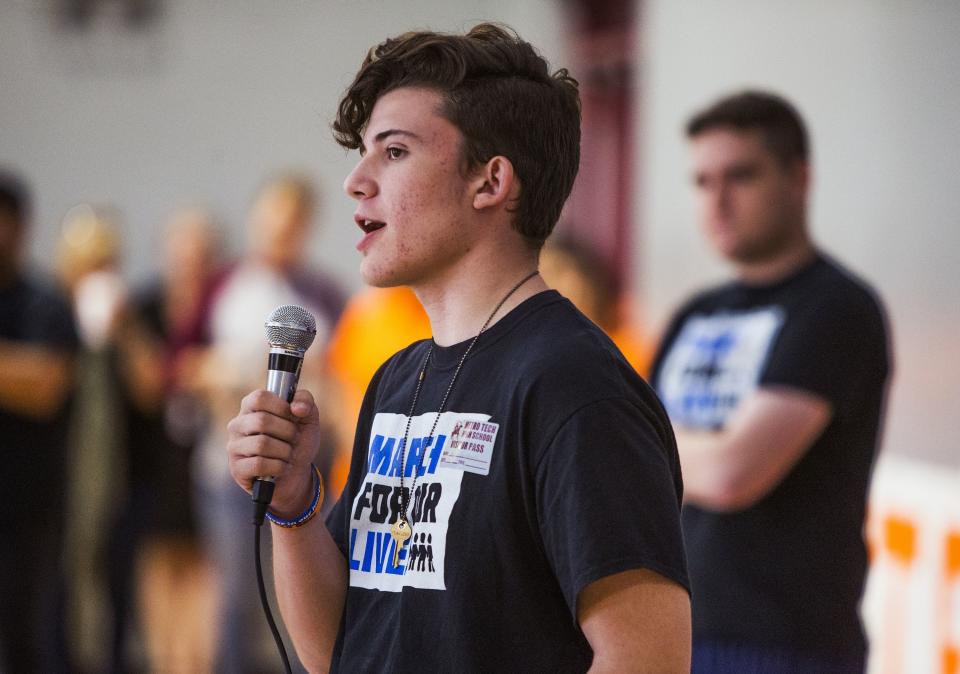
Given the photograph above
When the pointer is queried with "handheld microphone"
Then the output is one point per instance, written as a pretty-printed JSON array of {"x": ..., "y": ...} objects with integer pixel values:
[{"x": 290, "y": 332}]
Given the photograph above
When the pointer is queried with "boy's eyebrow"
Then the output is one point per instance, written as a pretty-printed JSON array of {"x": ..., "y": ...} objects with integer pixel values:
[
  {"x": 383, "y": 135},
  {"x": 394, "y": 132}
]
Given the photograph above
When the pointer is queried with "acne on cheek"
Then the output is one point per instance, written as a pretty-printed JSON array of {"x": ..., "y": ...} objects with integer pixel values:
[{"x": 403, "y": 204}]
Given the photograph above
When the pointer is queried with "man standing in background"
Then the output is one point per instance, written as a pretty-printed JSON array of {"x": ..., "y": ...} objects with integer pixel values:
[
  {"x": 775, "y": 383},
  {"x": 38, "y": 340}
]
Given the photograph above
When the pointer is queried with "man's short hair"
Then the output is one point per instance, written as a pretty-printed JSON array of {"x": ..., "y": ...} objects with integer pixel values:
[
  {"x": 778, "y": 121},
  {"x": 499, "y": 92},
  {"x": 14, "y": 197}
]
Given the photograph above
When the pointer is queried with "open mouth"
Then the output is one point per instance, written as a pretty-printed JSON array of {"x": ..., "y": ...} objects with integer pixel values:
[{"x": 370, "y": 225}]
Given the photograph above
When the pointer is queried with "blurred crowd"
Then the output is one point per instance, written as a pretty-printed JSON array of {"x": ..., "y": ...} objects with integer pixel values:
[{"x": 129, "y": 546}]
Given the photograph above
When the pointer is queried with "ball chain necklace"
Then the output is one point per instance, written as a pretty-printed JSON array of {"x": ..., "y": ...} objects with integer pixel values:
[{"x": 400, "y": 530}]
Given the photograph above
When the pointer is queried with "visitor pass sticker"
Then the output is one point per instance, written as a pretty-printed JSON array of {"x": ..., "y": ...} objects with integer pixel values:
[{"x": 470, "y": 446}]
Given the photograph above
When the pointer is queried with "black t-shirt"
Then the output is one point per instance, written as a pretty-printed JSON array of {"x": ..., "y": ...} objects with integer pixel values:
[
  {"x": 157, "y": 460},
  {"x": 788, "y": 571},
  {"x": 146, "y": 444},
  {"x": 34, "y": 451},
  {"x": 552, "y": 466}
]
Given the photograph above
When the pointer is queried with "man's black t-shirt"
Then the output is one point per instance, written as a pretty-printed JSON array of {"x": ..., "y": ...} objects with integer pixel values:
[
  {"x": 34, "y": 313},
  {"x": 552, "y": 466},
  {"x": 788, "y": 571}
]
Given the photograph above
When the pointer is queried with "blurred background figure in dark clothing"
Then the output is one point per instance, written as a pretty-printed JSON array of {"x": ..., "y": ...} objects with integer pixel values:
[
  {"x": 775, "y": 383},
  {"x": 38, "y": 341}
]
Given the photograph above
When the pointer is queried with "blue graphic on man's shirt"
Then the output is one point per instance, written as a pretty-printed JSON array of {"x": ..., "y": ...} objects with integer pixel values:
[
  {"x": 382, "y": 503},
  {"x": 379, "y": 551},
  {"x": 385, "y": 455},
  {"x": 715, "y": 361},
  {"x": 432, "y": 469},
  {"x": 701, "y": 398},
  {"x": 378, "y": 554}
]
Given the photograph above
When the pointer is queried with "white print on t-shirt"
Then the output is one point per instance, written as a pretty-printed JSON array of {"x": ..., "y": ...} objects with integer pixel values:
[
  {"x": 439, "y": 474},
  {"x": 714, "y": 363}
]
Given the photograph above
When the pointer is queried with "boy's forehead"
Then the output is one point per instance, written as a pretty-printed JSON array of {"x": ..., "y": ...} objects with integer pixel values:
[{"x": 407, "y": 108}]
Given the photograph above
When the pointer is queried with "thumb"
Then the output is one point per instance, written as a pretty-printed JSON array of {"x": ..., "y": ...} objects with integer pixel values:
[{"x": 304, "y": 408}]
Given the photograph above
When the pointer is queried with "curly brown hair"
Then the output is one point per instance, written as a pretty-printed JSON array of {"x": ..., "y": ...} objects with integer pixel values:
[{"x": 499, "y": 92}]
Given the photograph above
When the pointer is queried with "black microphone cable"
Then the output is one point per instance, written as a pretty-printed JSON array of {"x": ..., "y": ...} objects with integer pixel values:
[
  {"x": 290, "y": 332},
  {"x": 262, "y": 493}
]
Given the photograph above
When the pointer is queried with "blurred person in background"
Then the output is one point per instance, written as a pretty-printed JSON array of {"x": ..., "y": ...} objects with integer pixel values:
[
  {"x": 129, "y": 484},
  {"x": 574, "y": 269},
  {"x": 775, "y": 383},
  {"x": 38, "y": 342},
  {"x": 155, "y": 531},
  {"x": 230, "y": 326},
  {"x": 87, "y": 262}
]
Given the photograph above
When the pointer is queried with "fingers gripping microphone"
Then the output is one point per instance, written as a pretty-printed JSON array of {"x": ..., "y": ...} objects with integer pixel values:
[{"x": 290, "y": 332}]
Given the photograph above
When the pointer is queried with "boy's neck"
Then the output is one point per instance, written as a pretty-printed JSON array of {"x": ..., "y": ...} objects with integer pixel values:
[{"x": 459, "y": 303}]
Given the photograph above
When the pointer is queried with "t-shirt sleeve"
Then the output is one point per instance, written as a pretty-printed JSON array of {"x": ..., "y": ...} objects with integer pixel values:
[
  {"x": 607, "y": 494},
  {"x": 828, "y": 349},
  {"x": 337, "y": 522}
]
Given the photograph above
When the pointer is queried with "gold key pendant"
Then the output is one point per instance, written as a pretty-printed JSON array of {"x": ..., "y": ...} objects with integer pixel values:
[{"x": 400, "y": 531}]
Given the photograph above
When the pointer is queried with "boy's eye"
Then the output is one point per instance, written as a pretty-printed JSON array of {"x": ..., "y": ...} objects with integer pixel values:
[{"x": 395, "y": 152}]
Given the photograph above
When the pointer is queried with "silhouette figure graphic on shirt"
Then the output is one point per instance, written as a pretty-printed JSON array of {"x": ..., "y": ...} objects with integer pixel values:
[
  {"x": 421, "y": 553},
  {"x": 413, "y": 553},
  {"x": 428, "y": 550}
]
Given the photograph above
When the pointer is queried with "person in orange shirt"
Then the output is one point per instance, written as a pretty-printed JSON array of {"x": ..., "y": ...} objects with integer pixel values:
[{"x": 375, "y": 324}]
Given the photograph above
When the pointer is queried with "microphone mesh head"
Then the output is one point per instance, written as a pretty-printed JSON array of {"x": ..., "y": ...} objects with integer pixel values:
[{"x": 292, "y": 327}]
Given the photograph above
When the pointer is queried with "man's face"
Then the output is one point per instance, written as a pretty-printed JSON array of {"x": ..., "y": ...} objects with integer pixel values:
[
  {"x": 750, "y": 205},
  {"x": 280, "y": 226},
  {"x": 413, "y": 203},
  {"x": 190, "y": 246}
]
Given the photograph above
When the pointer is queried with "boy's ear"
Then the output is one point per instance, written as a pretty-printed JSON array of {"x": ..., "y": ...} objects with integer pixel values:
[{"x": 496, "y": 183}]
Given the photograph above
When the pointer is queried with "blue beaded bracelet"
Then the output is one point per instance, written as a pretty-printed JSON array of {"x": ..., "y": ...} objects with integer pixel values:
[{"x": 307, "y": 514}]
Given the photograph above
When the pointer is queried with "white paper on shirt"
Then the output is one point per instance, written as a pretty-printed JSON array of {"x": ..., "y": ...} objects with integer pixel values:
[
  {"x": 439, "y": 473},
  {"x": 714, "y": 362}
]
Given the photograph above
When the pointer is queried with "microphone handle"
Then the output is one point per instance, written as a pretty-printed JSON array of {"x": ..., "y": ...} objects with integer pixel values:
[{"x": 283, "y": 373}]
